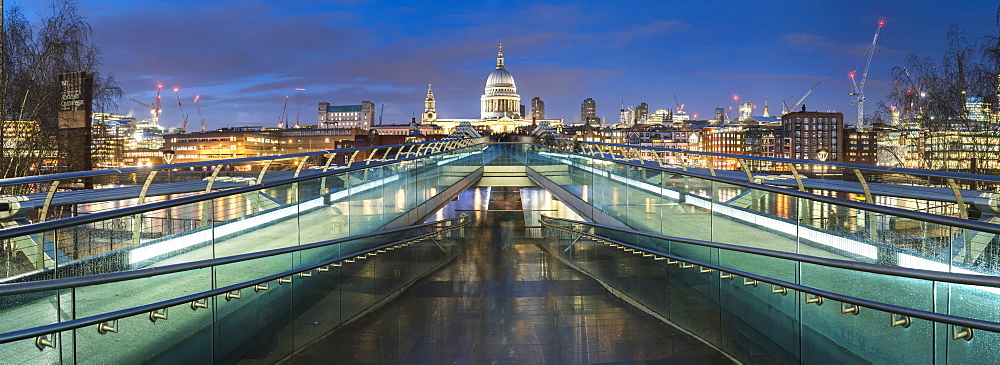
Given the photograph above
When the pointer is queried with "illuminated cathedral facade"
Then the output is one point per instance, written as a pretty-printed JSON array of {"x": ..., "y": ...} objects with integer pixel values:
[{"x": 500, "y": 105}]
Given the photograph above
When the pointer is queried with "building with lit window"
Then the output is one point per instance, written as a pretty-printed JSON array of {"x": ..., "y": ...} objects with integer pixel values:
[
  {"x": 246, "y": 142},
  {"x": 588, "y": 112},
  {"x": 813, "y": 135},
  {"x": 145, "y": 134},
  {"x": 763, "y": 141},
  {"x": 860, "y": 146},
  {"x": 961, "y": 151},
  {"x": 22, "y": 142},
  {"x": 537, "y": 108},
  {"x": 900, "y": 148},
  {"x": 976, "y": 109},
  {"x": 661, "y": 116},
  {"x": 110, "y": 135},
  {"x": 642, "y": 113},
  {"x": 360, "y": 116},
  {"x": 728, "y": 140},
  {"x": 143, "y": 157}
]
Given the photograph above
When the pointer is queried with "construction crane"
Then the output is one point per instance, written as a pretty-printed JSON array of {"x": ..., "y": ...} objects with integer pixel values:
[
  {"x": 298, "y": 106},
  {"x": 858, "y": 95},
  {"x": 729, "y": 114},
  {"x": 198, "y": 106},
  {"x": 154, "y": 109},
  {"x": 679, "y": 106},
  {"x": 151, "y": 108},
  {"x": 797, "y": 103},
  {"x": 283, "y": 118},
  {"x": 184, "y": 116}
]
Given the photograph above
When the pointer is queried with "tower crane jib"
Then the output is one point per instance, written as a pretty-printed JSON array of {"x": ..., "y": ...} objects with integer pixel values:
[{"x": 858, "y": 95}]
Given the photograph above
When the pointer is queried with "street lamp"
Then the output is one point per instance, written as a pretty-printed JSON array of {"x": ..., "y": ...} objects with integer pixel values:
[
  {"x": 168, "y": 155},
  {"x": 822, "y": 154}
]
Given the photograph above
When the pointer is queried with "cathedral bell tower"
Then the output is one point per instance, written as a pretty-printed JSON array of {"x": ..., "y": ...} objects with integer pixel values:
[{"x": 430, "y": 111}]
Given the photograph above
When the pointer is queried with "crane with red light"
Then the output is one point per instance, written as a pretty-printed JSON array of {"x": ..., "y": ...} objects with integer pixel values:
[
  {"x": 154, "y": 107},
  {"x": 283, "y": 117},
  {"x": 858, "y": 95},
  {"x": 185, "y": 124},
  {"x": 198, "y": 106},
  {"x": 729, "y": 114}
]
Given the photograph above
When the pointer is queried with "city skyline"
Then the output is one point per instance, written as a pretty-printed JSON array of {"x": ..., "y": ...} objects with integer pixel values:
[{"x": 243, "y": 66}]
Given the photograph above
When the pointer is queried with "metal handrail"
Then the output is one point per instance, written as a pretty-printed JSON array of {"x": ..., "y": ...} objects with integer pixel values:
[
  {"x": 146, "y": 207},
  {"x": 901, "y": 170},
  {"x": 95, "y": 279},
  {"x": 888, "y": 308},
  {"x": 93, "y": 173},
  {"x": 926, "y": 217},
  {"x": 956, "y": 278},
  {"x": 128, "y": 312}
]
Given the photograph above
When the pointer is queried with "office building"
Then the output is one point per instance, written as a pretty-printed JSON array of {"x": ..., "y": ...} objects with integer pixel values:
[
  {"x": 814, "y": 135},
  {"x": 588, "y": 112},
  {"x": 537, "y": 108},
  {"x": 361, "y": 116}
]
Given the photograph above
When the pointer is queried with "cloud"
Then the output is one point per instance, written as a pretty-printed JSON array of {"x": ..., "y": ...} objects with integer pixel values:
[
  {"x": 210, "y": 45},
  {"x": 820, "y": 44},
  {"x": 765, "y": 77},
  {"x": 244, "y": 57},
  {"x": 655, "y": 28}
]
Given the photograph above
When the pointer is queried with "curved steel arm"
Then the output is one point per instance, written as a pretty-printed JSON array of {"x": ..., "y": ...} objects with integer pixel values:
[
  {"x": 930, "y": 218},
  {"x": 889, "y": 308},
  {"x": 77, "y": 281},
  {"x": 128, "y": 312},
  {"x": 956, "y": 278},
  {"x": 121, "y": 212},
  {"x": 899, "y": 170}
]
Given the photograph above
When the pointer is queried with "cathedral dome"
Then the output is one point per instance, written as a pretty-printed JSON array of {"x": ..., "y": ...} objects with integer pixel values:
[
  {"x": 500, "y": 78},
  {"x": 500, "y": 100}
]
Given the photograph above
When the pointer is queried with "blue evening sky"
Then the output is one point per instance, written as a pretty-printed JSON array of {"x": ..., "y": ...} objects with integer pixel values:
[{"x": 244, "y": 57}]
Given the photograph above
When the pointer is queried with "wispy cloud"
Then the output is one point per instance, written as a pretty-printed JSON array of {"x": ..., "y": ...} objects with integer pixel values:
[
  {"x": 820, "y": 44},
  {"x": 764, "y": 77},
  {"x": 658, "y": 27}
]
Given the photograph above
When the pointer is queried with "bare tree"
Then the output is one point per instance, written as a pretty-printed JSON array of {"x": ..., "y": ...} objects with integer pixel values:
[
  {"x": 33, "y": 55},
  {"x": 936, "y": 97}
]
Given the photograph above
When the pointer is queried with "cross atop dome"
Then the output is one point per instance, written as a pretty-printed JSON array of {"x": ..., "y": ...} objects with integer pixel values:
[{"x": 500, "y": 57}]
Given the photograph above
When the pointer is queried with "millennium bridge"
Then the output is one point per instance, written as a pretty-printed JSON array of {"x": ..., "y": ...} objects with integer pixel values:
[{"x": 469, "y": 250}]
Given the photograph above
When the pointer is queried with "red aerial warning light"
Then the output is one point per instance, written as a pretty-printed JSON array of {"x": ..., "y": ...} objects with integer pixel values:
[
  {"x": 881, "y": 23},
  {"x": 851, "y": 75},
  {"x": 175, "y": 89},
  {"x": 736, "y": 97}
]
